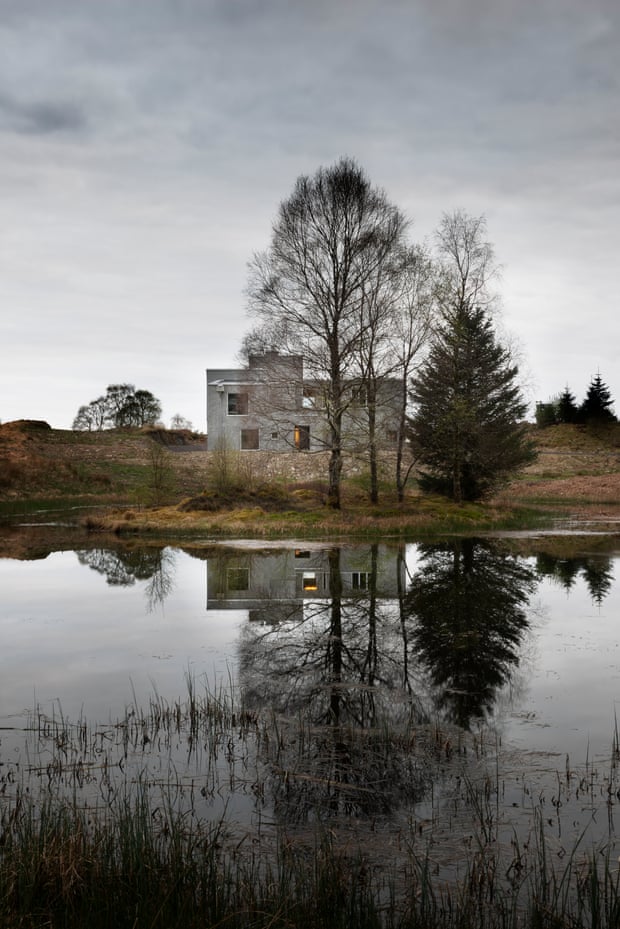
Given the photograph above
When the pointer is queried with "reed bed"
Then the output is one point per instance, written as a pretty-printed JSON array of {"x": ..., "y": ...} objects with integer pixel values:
[{"x": 201, "y": 813}]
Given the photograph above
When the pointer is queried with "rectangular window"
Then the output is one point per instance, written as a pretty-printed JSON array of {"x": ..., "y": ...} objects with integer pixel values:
[
  {"x": 302, "y": 438},
  {"x": 360, "y": 580},
  {"x": 238, "y": 579},
  {"x": 309, "y": 399},
  {"x": 237, "y": 404},
  {"x": 249, "y": 439},
  {"x": 310, "y": 581}
]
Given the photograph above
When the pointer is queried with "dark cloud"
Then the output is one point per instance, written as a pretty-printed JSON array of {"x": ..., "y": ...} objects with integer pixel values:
[{"x": 41, "y": 117}]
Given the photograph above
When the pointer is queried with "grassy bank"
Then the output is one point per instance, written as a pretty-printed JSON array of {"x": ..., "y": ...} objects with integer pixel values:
[
  {"x": 165, "y": 484},
  {"x": 419, "y": 516},
  {"x": 144, "y": 466}
]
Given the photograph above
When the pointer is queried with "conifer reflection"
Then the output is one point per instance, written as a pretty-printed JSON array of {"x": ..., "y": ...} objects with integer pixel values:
[
  {"x": 596, "y": 571},
  {"x": 467, "y": 607}
]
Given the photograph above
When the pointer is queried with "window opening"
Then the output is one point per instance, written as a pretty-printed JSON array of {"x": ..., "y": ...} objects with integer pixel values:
[
  {"x": 302, "y": 438},
  {"x": 360, "y": 580},
  {"x": 238, "y": 578},
  {"x": 309, "y": 399},
  {"x": 237, "y": 404},
  {"x": 309, "y": 581},
  {"x": 249, "y": 439}
]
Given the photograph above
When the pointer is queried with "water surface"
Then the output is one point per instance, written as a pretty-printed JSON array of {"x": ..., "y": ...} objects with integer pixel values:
[{"x": 391, "y": 673}]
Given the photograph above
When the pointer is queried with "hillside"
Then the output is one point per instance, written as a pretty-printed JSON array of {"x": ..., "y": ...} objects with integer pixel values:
[
  {"x": 39, "y": 462},
  {"x": 577, "y": 470},
  {"x": 577, "y": 467}
]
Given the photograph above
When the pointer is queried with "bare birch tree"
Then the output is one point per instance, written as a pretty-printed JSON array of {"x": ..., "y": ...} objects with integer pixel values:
[
  {"x": 329, "y": 240},
  {"x": 396, "y": 316},
  {"x": 410, "y": 331}
]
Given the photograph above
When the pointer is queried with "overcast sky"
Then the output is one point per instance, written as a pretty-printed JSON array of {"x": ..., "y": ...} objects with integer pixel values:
[{"x": 145, "y": 146}]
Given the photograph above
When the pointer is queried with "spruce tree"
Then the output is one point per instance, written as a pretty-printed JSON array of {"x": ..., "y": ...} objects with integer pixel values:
[
  {"x": 467, "y": 429},
  {"x": 567, "y": 410},
  {"x": 598, "y": 402}
]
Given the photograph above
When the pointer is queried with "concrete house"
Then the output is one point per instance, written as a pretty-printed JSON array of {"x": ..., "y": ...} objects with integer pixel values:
[
  {"x": 275, "y": 586},
  {"x": 270, "y": 406}
]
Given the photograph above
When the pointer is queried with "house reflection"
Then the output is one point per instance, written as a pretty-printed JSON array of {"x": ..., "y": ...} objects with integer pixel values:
[{"x": 274, "y": 585}]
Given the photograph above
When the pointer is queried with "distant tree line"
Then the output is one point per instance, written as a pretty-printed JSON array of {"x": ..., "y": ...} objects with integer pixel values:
[
  {"x": 121, "y": 407},
  {"x": 596, "y": 570},
  {"x": 596, "y": 407}
]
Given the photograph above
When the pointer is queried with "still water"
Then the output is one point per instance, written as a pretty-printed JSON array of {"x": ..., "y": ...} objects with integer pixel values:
[{"x": 508, "y": 644}]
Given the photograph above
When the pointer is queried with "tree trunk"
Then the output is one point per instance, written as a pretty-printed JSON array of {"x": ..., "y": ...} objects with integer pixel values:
[
  {"x": 457, "y": 487},
  {"x": 335, "y": 429},
  {"x": 400, "y": 443},
  {"x": 335, "y": 463},
  {"x": 335, "y": 635},
  {"x": 372, "y": 441}
]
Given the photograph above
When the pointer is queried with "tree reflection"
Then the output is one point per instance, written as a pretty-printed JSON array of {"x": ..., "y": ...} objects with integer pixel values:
[
  {"x": 122, "y": 567},
  {"x": 468, "y": 606},
  {"x": 596, "y": 570},
  {"x": 599, "y": 577},
  {"x": 350, "y": 738}
]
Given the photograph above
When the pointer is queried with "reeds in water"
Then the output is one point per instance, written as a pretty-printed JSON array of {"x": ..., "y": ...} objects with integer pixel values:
[{"x": 128, "y": 825}]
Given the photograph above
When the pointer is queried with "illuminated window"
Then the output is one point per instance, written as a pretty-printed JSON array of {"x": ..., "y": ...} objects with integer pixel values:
[
  {"x": 302, "y": 438},
  {"x": 309, "y": 581}
]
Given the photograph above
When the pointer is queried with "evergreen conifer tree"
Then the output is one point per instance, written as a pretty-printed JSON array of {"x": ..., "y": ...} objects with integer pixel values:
[
  {"x": 467, "y": 428},
  {"x": 567, "y": 410},
  {"x": 598, "y": 402}
]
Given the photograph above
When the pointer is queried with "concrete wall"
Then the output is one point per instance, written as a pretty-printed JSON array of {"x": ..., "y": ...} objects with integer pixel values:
[{"x": 269, "y": 407}]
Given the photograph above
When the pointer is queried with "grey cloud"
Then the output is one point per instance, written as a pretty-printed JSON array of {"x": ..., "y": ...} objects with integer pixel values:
[
  {"x": 194, "y": 117},
  {"x": 41, "y": 117}
]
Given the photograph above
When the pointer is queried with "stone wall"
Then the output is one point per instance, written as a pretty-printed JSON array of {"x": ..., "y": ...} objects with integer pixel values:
[{"x": 300, "y": 466}]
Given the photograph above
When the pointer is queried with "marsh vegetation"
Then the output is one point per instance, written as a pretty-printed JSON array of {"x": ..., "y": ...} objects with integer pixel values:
[{"x": 285, "y": 736}]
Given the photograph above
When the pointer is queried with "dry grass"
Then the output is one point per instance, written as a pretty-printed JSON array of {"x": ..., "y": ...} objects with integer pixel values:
[
  {"x": 421, "y": 515},
  {"x": 576, "y": 476}
]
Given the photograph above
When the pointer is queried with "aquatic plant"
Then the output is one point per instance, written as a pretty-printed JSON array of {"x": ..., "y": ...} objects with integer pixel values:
[{"x": 141, "y": 822}]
